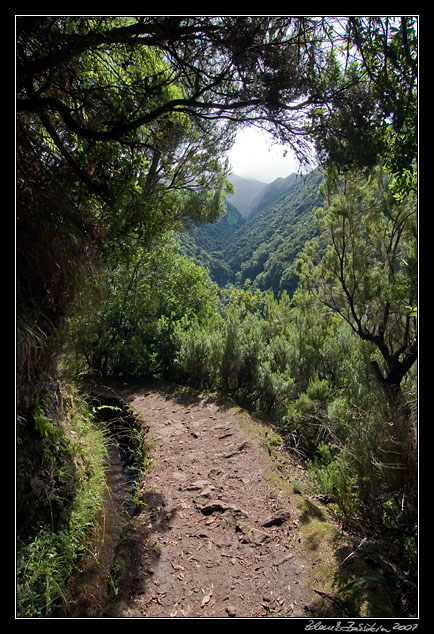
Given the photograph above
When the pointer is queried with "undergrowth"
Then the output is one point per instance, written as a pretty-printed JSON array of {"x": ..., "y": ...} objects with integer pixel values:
[{"x": 72, "y": 449}]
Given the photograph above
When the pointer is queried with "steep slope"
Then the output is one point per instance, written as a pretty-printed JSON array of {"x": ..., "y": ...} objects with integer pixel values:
[
  {"x": 272, "y": 192},
  {"x": 206, "y": 244},
  {"x": 266, "y": 248},
  {"x": 246, "y": 192}
]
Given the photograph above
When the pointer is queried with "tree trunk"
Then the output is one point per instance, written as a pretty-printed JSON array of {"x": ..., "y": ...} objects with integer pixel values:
[{"x": 402, "y": 457}]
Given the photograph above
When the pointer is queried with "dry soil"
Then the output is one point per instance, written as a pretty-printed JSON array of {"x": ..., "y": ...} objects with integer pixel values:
[{"x": 215, "y": 537}]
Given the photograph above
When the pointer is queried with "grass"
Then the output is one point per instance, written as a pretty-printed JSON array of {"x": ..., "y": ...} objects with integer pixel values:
[{"x": 45, "y": 563}]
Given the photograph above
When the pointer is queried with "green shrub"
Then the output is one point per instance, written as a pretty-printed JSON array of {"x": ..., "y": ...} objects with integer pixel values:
[
  {"x": 318, "y": 389},
  {"x": 198, "y": 353},
  {"x": 129, "y": 330},
  {"x": 274, "y": 388},
  {"x": 333, "y": 475}
]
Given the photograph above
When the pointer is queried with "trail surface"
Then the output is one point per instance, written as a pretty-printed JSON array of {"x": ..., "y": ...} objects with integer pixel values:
[{"x": 216, "y": 537}]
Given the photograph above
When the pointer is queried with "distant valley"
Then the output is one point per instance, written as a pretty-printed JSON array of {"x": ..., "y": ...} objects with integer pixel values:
[
  {"x": 262, "y": 233},
  {"x": 246, "y": 192}
]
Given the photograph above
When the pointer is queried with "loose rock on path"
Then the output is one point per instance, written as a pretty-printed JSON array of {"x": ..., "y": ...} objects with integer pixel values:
[{"x": 215, "y": 537}]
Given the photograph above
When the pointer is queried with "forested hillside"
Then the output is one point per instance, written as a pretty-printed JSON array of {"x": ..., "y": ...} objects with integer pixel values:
[
  {"x": 264, "y": 246},
  {"x": 133, "y": 263},
  {"x": 270, "y": 193},
  {"x": 207, "y": 244}
]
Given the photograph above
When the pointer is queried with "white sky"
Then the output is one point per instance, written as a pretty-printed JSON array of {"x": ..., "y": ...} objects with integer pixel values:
[{"x": 253, "y": 156}]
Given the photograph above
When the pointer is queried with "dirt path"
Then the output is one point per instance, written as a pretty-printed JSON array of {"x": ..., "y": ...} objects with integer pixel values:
[{"x": 216, "y": 537}]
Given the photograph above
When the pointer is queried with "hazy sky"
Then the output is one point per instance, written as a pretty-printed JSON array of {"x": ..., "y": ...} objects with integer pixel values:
[{"x": 253, "y": 156}]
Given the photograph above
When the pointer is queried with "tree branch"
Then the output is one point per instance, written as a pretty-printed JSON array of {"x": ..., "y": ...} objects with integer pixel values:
[{"x": 67, "y": 156}]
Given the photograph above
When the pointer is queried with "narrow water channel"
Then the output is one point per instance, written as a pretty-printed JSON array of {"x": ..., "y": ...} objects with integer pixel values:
[{"x": 91, "y": 584}]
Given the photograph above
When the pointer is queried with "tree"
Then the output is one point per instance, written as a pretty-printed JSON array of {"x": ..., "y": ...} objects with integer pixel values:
[
  {"x": 123, "y": 124},
  {"x": 129, "y": 330},
  {"x": 368, "y": 272},
  {"x": 79, "y": 194},
  {"x": 109, "y": 100},
  {"x": 388, "y": 50},
  {"x": 373, "y": 113},
  {"x": 262, "y": 71}
]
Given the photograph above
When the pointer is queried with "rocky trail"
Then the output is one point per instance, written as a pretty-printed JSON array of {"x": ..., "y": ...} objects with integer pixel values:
[
  {"x": 216, "y": 537},
  {"x": 217, "y": 533}
]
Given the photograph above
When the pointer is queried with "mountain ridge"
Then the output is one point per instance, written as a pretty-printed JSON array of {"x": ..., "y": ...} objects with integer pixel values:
[
  {"x": 273, "y": 190},
  {"x": 266, "y": 248},
  {"x": 262, "y": 247},
  {"x": 246, "y": 191}
]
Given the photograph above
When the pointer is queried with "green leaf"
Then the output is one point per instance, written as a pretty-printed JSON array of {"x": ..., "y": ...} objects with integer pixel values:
[
  {"x": 373, "y": 577},
  {"x": 114, "y": 408},
  {"x": 412, "y": 311}
]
